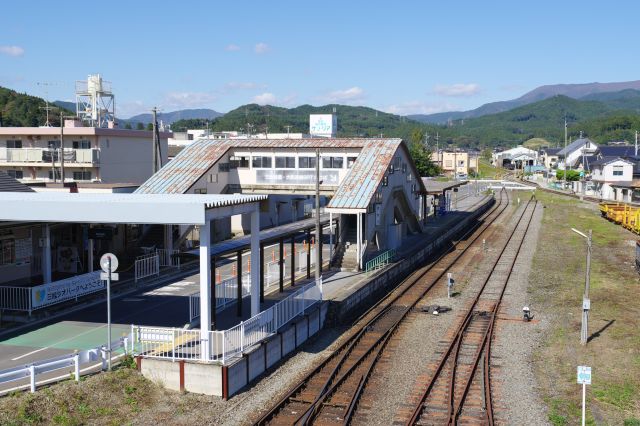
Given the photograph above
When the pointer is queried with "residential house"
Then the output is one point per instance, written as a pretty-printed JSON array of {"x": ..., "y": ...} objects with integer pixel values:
[
  {"x": 571, "y": 155},
  {"x": 612, "y": 177}
]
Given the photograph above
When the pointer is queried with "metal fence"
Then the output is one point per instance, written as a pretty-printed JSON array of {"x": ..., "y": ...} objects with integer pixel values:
[
  {"x": 380, "y": 261},
  {"x": 168, "y": 258},
  {"x": 15, "y": 298},
  {"x": 146, "y": 266},
  {"x": 226, "y": 294},
  {"x": 221, "y": 346},
  {"x": 75, "y": 360}
]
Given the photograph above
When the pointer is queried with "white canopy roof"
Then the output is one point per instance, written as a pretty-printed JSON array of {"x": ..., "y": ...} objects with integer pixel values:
[{"x": 191, "y": 209}]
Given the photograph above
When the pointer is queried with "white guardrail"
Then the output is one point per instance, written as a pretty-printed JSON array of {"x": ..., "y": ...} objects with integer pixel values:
[
  {"x": 221, "y": 346},
  {"x": 146, "y": 266},
  {"x": 96, "y": 356}
]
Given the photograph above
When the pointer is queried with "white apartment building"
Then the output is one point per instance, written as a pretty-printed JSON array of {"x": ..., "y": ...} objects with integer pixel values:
[{"x": 91, "y": 154}]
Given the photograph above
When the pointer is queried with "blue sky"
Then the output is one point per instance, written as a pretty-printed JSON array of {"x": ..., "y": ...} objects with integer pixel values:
[{"x": 398, "y": 56}]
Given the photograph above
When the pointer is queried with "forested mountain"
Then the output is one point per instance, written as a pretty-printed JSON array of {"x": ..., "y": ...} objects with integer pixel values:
[
  {"x": 352, "y": 121},
  {"x": 22, "y": 110},
  {"x": 587, "y": 91},
  {"x": 173, "y": 116}
]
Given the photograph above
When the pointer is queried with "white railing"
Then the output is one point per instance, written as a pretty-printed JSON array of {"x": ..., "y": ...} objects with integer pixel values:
[
  {"x": 226, "y": 293},
  {"x": 75, "y": 360},
  {"x": 15, "y": 298},
  {"x": 175, "y": 344},
  {"x": 31, "y": 298},
  {"x": 146, "y": 266},
  {"x": 43, "y": 155},
  {"x": 169, "y": 258}
]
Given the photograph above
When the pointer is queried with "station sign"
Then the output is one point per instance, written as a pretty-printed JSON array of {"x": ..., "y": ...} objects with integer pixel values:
[
  {"x": 584, "y": 375},
  {"x": 296, "y": 177}
]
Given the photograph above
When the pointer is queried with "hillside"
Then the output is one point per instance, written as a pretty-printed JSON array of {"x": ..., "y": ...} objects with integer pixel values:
[
  {"x": 587, "y": 91},
  {"x": 173, "y": 116},
  {"x": 352, "y": 121},
  {"x": 19, "y": 109},
  {"x": 544, "y": 119}
]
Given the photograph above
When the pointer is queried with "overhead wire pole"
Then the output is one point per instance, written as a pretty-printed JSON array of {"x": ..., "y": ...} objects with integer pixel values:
[{"x": 565, "y": 153}]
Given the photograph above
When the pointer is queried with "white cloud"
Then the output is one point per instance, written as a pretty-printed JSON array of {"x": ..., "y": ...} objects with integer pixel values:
[
  {"x": 12, "y": 50},
  {"x": 261, "y": 48},
  {"x": 232, "y": 48},
  {"x": 417, "y": 107},
  {"x": 188, "y": 99},
  {"x": 457, "y": 90},
  {"x": 264, "y": 99},
  {"x": 350, "y": 95}
]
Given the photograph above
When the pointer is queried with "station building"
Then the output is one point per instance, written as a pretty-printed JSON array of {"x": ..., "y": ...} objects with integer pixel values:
[{"x": 372, "y": 184}]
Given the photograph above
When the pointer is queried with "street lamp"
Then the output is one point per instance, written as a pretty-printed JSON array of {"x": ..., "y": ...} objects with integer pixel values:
[{"x": 586, "y": 303}]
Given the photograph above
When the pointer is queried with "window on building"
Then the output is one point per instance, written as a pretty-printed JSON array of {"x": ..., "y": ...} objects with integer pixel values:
[
  {"x": 385, "y": 181},
  {"x": 332, "y": 162},
  {"x": 261, "y": 162},
  {"x": 83, "y": 144},
  {"x": 57, "y": 175},
  {"x": 307, "y": 162},
  {"x": 391, "y": 169},
  {"x": 53, "y": 144},
  {"x": 409, "y": 177},
  {"x": 617, "y": 170},
  {"x": 223, "y": 167},
  {"x": 351, "y": 161},
  {"x": 236, "y": 162},
  {"x": 200, "y": 191},
  {"x": 14, "y": 144},
  {"x": 448, "y": 163},
  {"x": 371, "y": 208},
  {"x": 285, "y": 162},
  {"x": 82, "y": 175},
  {"x": 16, "y": 174},
  {"x": 404, "y": 167}
]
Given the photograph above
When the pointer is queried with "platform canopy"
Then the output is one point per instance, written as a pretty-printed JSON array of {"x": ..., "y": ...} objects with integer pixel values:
[
  {"x": 435, "y": 187},
  {"x": 188, "y": 209}
]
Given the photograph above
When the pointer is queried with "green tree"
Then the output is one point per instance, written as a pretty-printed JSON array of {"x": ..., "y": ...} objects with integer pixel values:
[
  {"x": 139, "y": 126},
  {"x": 421, "y": 156},
  {"x": 149, "y": 126},
  {"x": 572, "y": 175},
  {"x": 128, "y": 126}
]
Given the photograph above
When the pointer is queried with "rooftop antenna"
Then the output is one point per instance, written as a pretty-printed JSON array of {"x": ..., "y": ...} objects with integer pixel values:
[
  {"x": 47, "y": 108},
  {"x": 288, "y": 127}
]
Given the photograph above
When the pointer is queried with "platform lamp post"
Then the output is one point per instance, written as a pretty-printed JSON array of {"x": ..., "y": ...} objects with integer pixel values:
[{"x": 586, "y": 303}]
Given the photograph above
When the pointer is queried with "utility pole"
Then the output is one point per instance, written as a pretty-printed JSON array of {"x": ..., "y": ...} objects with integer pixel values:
[
  {"x": 636, "y": 143},
  {"x": 318, "y": 246},
  {"x": 157, "y": 159},
  {"x": 62, "y": 147},
  {"x": 438, "y": 150},
  {"x": 565, "y": 152}
]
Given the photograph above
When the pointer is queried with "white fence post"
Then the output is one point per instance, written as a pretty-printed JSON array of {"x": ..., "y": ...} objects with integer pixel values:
[
  {"x": 173, "y": 344},
  {"x": 32, "y": 376},
  {"x": 76, "y": 364}
]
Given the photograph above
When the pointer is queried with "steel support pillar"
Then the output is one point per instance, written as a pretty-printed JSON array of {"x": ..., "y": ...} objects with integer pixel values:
[
  {"x": 281, "y": 264},
  {"x": 261, "y": 273},
  {"x": 330, "y": 238},
  {"x": 256, "y": 263},
  {"x": 308, "y": 253},
  {"x": 293, "y": 260},
  {"x": 320, "y": 248},
  {"x": 358, "y": 239},
  {"x": 213, "y": 294},
  {"x": 205, "y": 288},
  {"x": 46, "y": 254},
  {"x": 239, "y": 283}
]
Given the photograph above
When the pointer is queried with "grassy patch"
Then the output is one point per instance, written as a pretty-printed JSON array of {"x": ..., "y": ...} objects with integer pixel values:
[
  {"x": 557, "y": 284},
  {"x": 487, "y": 171}
]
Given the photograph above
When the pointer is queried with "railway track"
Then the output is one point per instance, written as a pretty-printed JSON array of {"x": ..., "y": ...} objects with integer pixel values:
[
  {"x": 459, "y": 388},
  {"x": 330, "y": 393}
]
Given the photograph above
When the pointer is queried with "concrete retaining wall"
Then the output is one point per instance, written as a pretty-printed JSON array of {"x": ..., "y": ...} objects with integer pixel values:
[{"x": 226, "y": 381}]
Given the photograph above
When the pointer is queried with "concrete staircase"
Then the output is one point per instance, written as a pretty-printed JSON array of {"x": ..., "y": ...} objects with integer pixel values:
[{"x": 346, "y": 257}]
